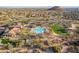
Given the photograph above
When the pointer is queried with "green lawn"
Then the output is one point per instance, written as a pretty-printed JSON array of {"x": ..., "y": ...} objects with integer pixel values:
[{"x": 59, "y": 29}]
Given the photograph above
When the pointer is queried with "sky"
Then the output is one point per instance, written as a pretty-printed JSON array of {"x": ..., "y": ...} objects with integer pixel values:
[{"x": 39, "y": 3}]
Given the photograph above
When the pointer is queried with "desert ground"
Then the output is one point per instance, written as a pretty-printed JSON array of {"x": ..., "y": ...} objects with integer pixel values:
[{"x": 39, "y": 30}]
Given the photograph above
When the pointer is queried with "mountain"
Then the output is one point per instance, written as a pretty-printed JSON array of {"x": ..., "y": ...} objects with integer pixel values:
[{"x": 56, "y": 8}]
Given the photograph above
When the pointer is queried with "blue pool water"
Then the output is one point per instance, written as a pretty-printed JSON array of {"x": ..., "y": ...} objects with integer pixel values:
[{"x": 39, "y": 30}]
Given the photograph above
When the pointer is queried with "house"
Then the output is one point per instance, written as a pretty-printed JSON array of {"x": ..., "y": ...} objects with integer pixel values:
[
  {"x": 13, "y": 32},
  {"x": 74, "y": 26}
]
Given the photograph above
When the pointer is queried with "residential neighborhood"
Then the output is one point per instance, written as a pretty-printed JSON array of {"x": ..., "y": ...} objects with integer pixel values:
[{"x": 39, "y": 30}]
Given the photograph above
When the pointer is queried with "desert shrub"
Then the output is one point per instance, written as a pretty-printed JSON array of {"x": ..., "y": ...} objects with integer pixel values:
[
  {"x": 77, "y": 30},
  {"x": 7, "y": 42},
  {"x": 24, "y": 33},
  {"x": 57, "y": 48}
]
